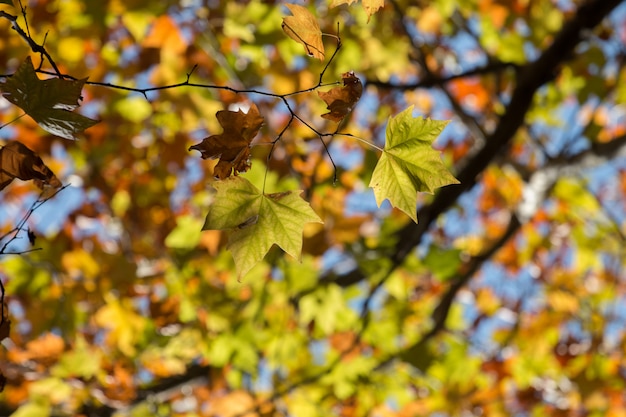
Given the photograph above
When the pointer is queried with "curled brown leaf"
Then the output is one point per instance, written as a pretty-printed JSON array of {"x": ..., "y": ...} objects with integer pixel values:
[
  {"x": 232, "y": 146},
  {"x": 341, "y": 100},
  {"x": 17, "y": 161}
]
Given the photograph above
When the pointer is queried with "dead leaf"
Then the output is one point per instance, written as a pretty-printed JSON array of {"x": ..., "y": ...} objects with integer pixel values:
[
  {"x": 303, "y": 27},
  {"x": 341, "y": 100},
  {"x": 232, "y": 146},
  {"x": 5, "y": 329},
  {"x": 49, "y": 102},
  {"x": 17, "y": 161},
  {"x": 32, "y": 237}
]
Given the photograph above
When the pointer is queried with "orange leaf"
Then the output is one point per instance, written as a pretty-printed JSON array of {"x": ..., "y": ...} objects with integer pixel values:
[
  {"x": 47, "y": 348},
  {"x": 303, "y": 27},
  {"x": 17, "y": 161},
  {"x": 472, "y": 92},
  {"x": 341, "y": 100},
  {"x": 232, "y": 146},
  {"x": 165, "y": 33}
]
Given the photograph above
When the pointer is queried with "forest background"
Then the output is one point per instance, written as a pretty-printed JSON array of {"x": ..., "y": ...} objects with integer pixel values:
[{"x": 135, "y": 283}]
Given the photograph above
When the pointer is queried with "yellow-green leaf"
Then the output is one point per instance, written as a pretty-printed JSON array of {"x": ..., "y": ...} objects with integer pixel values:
[
  {"x": 370, "y": 6},
  {"x": 409, "y": 164},
  {"x": 257, "y": 220}
]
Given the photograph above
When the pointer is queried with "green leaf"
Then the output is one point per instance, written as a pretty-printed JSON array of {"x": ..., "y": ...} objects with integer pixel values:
[
  {"x": 409, "y": 163},
  {"x": 49, "y": 102},
  {"x": 443, "y": 263},
  {"x": 186, "y": 234},
  {"x": 370, "y": 6},
  {"x": 419, "y": 355},
  {"x": 83, "y": 361},
  {"x": 39, "y": 407},
  {"x": 9, "y": 2},
  {"x": 257, "y": 221}
]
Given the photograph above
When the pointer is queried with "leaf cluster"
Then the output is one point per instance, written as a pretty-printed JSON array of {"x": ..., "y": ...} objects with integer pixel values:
[{"x": 122, "y": 291}]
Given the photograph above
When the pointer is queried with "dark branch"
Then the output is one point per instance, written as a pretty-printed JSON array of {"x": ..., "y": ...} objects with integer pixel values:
[
  {"x": 529, "y": 79},
  {"x": 40, "y": 49},
  {"x": 431, "y": 80}
]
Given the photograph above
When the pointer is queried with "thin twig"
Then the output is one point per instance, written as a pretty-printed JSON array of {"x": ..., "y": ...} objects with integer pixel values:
[
  {"x": 34, "y": 46},
  {"x": 20, "y": 225},
  {"x": 12, "y": 121}
]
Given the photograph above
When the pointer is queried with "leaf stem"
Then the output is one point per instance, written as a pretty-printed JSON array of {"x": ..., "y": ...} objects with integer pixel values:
[{"x": 365, "y": 141}]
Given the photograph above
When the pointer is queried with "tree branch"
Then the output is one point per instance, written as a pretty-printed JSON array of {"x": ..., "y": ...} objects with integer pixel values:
[
  {"x": 548, "y": 176},
  {"x": 34, "y": 46},
  {"x": 431, "y": 80},
  {"x": 530, "y": 78}
]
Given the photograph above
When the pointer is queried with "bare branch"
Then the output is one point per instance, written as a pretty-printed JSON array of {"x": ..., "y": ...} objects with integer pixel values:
[
  {"x": 34, "y": 46},
  {"x": 432, "y": 80},
  {"x": 530, "y": 78}
]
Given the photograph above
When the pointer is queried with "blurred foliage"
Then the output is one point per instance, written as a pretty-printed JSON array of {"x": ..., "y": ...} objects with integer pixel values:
[{"x": 129, "y": 309}]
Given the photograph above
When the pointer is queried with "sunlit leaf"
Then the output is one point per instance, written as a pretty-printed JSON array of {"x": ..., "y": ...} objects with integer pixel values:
[
  {"x": 370, "y": 6},
  {"x": 257, "y": 221},
  {"x": 125, "y": 325},
  {"x": 82, "y": 361},
  {"x": 49, "y": 102},
  {"x": 409, "y": 164},
  {"x": 303, "y": 27},
  {"x": 186, "y": 235}
]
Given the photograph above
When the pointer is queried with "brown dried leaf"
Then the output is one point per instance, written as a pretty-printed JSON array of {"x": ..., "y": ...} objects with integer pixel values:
[
  {"x": 5, "y": 329},
  {"x": 49, "y": 102},
  {"x": 232, "y": 146},
  {"x": 303, "y": 27},
  {"x": 341, "y": 100},
  {"x": 17, "y": 161}
]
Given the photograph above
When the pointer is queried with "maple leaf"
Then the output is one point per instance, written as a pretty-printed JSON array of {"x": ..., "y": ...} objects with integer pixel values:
[
  {"x": 17, "y": 161},
  {"x": 257, "y": 221},
  {"x": 409, "y": 164},
  {"x": 5, "y": 328},
  {"x": 49, "y": 102},
  {"x": 341, "y": 100},
  {"x": 370, "y": 6},
  {"x": 232, "y": 146},
  {"x": 303, "y": 27}
]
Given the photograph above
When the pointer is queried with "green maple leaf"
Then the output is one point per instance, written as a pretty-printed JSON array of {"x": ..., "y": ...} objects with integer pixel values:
[
  {"x": 257, "y": 221},
  {"x": 409, "y": 164},
  {"x": 49, "y": 102}
]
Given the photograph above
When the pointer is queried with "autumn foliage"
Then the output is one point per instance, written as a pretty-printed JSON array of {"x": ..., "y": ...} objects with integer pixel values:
[{"x": 353, "y": 208}]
